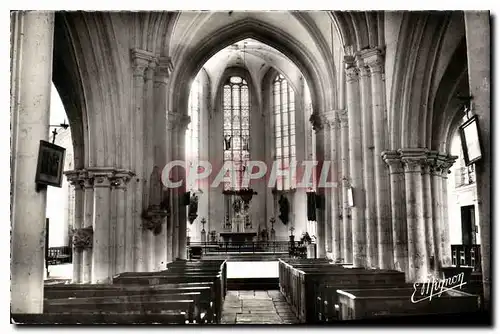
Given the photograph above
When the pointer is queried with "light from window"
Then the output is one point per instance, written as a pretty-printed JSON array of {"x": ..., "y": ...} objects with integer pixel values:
[
  {"x": 193, "y": 129},
  {"x": 236, "y": 147},
  {"x": 284, "y": 131}
]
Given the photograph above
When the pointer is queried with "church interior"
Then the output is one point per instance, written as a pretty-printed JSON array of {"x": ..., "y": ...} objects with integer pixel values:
[{"x": 250, "y": 167}]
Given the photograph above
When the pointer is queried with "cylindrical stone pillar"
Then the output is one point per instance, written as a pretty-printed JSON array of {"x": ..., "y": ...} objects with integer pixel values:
[
  {"x": 101, "y": 260},
  {"x": 327, "y": 191},
  {"x": 318, "y": 126},
  {"x": 161, "y": 149},
  {"x": 335, "y": 191},
  {"x": 447, "y": 162},
  {"x": 417, "y": 249},
  {"x": 181, "y": 153},
  {"x": 355, "y": 163},
  {"x": 88, "y": 222},
  {"x": 437, "y": 205},
  {"x": 380, "y": 135},
  {"x": 77, "y": 257},
  {"x": 120, "y": 181},
  {"x": 141, "y": 61},
  {"x": 428, "y": 217},
  {"x": 398, "y": 210},
  {"x": 368, "y": 175},
  {"x": 346, "y": 213},
  {"x": 31, "y": 64}
]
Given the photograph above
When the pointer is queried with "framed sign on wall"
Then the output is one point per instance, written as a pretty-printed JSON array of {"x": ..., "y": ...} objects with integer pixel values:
[
  {"x": 471, "y": 144},
  {"x": 49, "y": 171}
]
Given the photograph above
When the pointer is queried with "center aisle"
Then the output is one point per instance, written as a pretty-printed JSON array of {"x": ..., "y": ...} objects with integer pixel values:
[{"x": 257, "y": 307}]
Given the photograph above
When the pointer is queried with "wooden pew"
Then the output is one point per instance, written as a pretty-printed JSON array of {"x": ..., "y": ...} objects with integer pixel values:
[
  {"x": 302, "y": 282},
  {"x": 98, "y": 318},
  {"x": 172, "y": 277},
  {"x": 199, "y": 311},
  {"x": 375, "y": 303},
  {"x": 205, "y": 289}
]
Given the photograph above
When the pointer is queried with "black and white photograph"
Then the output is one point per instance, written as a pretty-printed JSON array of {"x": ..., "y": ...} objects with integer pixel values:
[{"x": 319, "y": 168}]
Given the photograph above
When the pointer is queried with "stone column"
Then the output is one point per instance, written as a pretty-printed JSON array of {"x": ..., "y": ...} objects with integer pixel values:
[
  {"x": 318, "y": 126},
  {"x": 375, "y": 62},
  {"x": 447, "y": 162},
  {"x": 417, "y": 249},
  {"x": 181, "y": 155},
  {"x": 344, "y": 182},
  {"x": 398, "y": 210},
  {"x": 477, "y": 31},
  {"x": 437, "y": 207},
  {"x": 163, "y": 70},
  {"x": 368, "y": 175},
  {"x": 119, "y": 183},
  {"x": 78, "y": 183},
  {"x": 148, "y": 154},
  {"x": 327, "y": 191},
  {"x": 428, "y": 213},
  {"x": 31, "y": 68},
  {"x": 88, "y": 223},
  {"x": 141, "y": 61},
  {"x": 101, "y": 259},
  {"x": 355, "y": 163},
  {"x": 177, "y": 194},
  {"x": 171, "y": 220},
  {"x": 336, "y": 227}
]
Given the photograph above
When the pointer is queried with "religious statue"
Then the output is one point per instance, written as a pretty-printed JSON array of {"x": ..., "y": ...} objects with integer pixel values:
[
  {"x": 193, "y": 208},
  {"x": 227, "y": 142},
  {"x": 284, "y": 209},
  {"x": 155, "y": 189},
  {"x": 237, "y": 206}
]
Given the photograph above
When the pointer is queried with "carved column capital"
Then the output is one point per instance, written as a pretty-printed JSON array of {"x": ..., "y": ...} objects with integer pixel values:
[
  {"x": 446, "y": 162},
  {"x": 352, "y": 74},
  {"x": 413, "y": 159},
  {"x": 102, "y": 177},
  {"x": 75, "y": 178},
  {"x": 153, "y": 219},
  {"x": 183, "y": 121},
  {"x": 164, "y": 68},
  {"x": 150, "y": 70},
  {"x": 121, "y": 178},
  {"x": 343, "y": 118},
  {"x": 83, "y": 238},
  {"x": 140, "y": 61},
  {"x": 374, "y": 59},
  {"x": 317, "y": 121},
  {"x": 393, "y": 160}
]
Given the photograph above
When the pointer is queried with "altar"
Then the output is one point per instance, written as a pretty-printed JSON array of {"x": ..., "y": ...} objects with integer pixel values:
[{"x": 238, "y": 237}]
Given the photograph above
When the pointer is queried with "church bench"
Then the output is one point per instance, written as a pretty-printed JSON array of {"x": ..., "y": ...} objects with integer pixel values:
[
  {"x": 203, "y": 310},
  {"x": 170, "y": 278},
  {"x": 86, "y": 318},
  {"x": 327, "y": 300},
  {"x": 207, "y": 289},
  {"x": 309, "y": 285},
  {"x": 186, "y": 306},
  {"x": 376, "y": 303},
  {"x": 300, "y": 283}
]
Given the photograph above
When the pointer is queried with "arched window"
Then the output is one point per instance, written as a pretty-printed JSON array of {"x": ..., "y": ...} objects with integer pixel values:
[
  {"x": 236, "y": 107},
  {"x": 193, "y": 129},
  {"x": 284, "y": 131}
]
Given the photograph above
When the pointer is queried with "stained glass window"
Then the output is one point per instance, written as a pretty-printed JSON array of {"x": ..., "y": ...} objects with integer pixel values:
[
  {"x": 236, "y": 105},
  {"x": 284, "y": 131},
  {"x": 193, "y": 129}
]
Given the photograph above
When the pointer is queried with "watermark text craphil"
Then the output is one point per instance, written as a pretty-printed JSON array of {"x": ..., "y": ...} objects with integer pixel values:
[
  {"x": 306, "y": 174},
  {"x": 434, "y": 287}
]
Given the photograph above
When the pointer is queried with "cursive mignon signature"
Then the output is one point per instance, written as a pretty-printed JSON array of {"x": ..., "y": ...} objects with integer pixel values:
[{"x": 435, "y": 287}]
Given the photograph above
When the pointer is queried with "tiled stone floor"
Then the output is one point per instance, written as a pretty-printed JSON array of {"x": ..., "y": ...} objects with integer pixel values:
[{"x": 257, "y": 307}]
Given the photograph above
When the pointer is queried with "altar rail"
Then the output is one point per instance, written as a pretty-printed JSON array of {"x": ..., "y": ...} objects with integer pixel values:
[
  {"x": 273, "y": 247},
  {"x": 466, "y": 256}
]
